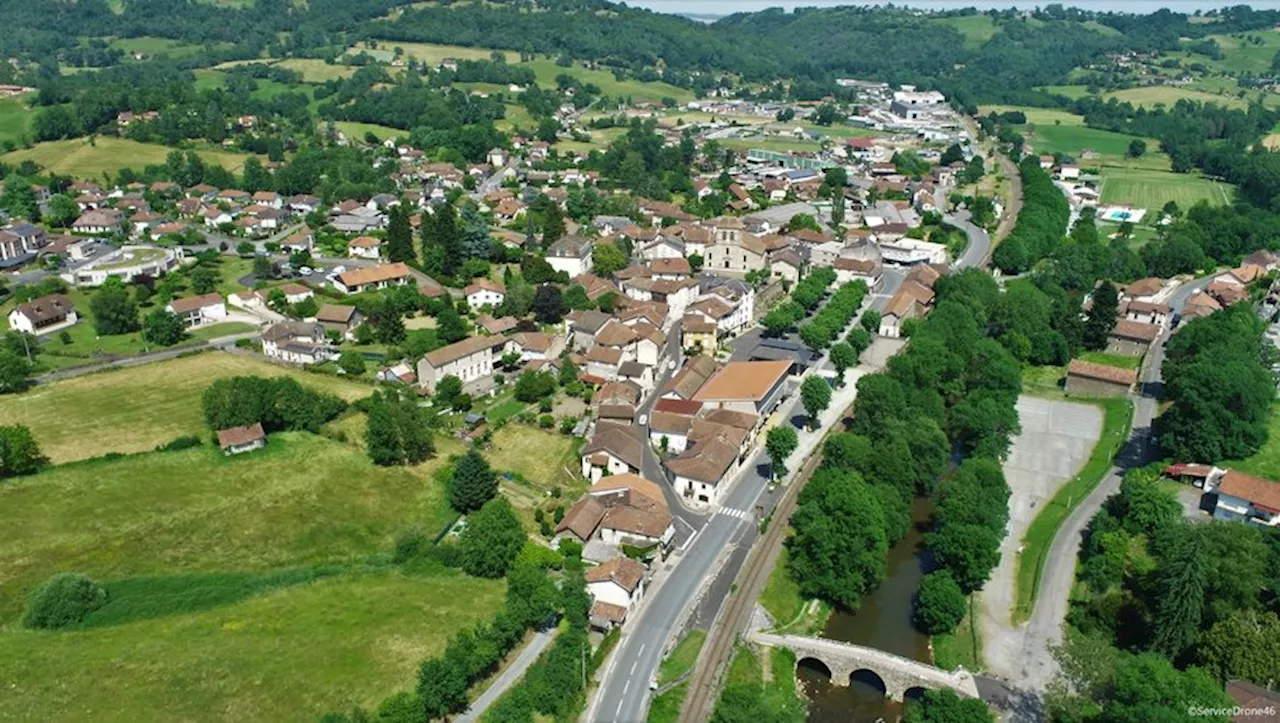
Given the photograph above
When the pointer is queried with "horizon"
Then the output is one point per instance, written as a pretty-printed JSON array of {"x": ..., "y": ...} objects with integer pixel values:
[{"x": 722, "y": 8}]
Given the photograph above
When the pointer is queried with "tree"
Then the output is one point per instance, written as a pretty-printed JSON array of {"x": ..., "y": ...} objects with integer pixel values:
[
  {"x": 449, "y": 325},
  {"x": 1102, "y": 317},
  {"x": 780, "y": 443},
  {"x": 532, "y": 596},
  {"x": 1245, "y": 645},
  {"x": 1181, "y": 581},
  {"x": 19, "y": 453},
  {"x": 953, "y": 153},
  {"x": 535, "y": 385},
  {"x": 839, "y": 549},
  {"x": 843, "y": 356},
  {"x": 802, "y": 221},
  {"x": 946, "y": 706},
  {"x": 940, "y": 604},
  {"x": 19, "y": 198},
  {"x": 815, "y": 394},
  {"x": 1137, "y": 148},
  {"x": 14, "y": 370},
  {"x": 442, "y": 687},
  {"x": 351, "y": 362},
  {"x": 552, "y": 225},
  {"x": 114, "y": 312},
  {"x": 473, "y": 483},
  {"x": 548, "y": 305},
  {"x": 163, "y": 327},
  {"x": 400, "y": 235},
  {"x": 870, "y": 321},
  {"x": 968, "y": 551},
  {"x": 63, "y": 211},
  {"x": 753, "y": 703},
  {"x": 203, "y": 279},
  {"x": 491, "y": 540},
  {"x": 64, "y": 599},
  {"x": 448, "y": 388},
  {"x": 396, "y": 432},
  {"x": 607, "y": 259}
]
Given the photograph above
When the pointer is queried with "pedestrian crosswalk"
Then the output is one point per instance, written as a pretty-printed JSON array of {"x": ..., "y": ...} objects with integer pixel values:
[{"x": 730, "y": 512}]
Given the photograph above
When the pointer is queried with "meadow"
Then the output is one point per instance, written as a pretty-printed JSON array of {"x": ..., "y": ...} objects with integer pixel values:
[
  {"x": 1152, "y": 189},
  {"x": 314, "y": 70},
  {"x": 81, "y": 158},
  {"x": 976, "y": 29},
  {"x": 1168, "y": 95},
  {"x": 1266, "y": 461},
  {"x": 16, "y": 120},
  {"x": 133, "y": 410},
  {"x": 1243, "y": 56},
  {"x": 358, "y": 131}
]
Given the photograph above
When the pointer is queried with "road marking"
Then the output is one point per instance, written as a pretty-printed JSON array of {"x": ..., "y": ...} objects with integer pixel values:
[
  {"x": 641, "y": 651},
  {"x": 618, "y": 712},
  {"x": 626, "y": 687},
  {"x": 633, "y": 667}
]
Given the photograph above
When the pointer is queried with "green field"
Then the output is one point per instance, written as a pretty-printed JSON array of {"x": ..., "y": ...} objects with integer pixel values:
[
  {"x": 16, "y": 120},
  {"x": 159, "y": 46},
  {"x": 81, "y": 158},
  {"x": 430, "y": 53},
  {"x": 217, "y": 609},
  {"x": 547, "y": 71},
  {"x": 976, "y": 29},
  {"x": 314, "y": 70},
  {"x": 1243, "y": 56},
  {"x": 772, "y": 143},
  {"x": 142, "y": 407},
  {"x": 1120, "y": 361},
  {"x": 1266, "y": 461},
  {"x": 1152, "y": 189},
  {"x": 351, "y": 129},
  {"x": 1168, "y": 95},
  {"x": 1037, "y": 116},
  {"x": 962, "y": 646}
]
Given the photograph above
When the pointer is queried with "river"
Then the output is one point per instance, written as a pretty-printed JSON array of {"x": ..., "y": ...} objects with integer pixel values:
[{"x": 883, "y": 621}]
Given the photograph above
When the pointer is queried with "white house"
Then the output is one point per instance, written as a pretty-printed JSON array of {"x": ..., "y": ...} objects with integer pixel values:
[
  {"x": 571, "y": 254},
  {"x": 1246, "y": 498},
  {"x": 616, "y": 449},
  {"x": 373, "y": 277},
  {"x": 296, "y": 342},
  {"x": 616, "y": 587},
  {"x": 44, "y": 315},
  {"x": 484, "y": 292},
  {"x": 365, "y": 247},
  {"x": 470, "y": 360},
  {"x": 198, "y": 310}
]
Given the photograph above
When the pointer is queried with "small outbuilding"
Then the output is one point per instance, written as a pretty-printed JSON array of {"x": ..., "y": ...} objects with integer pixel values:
[{"x": 238, "y": 440}]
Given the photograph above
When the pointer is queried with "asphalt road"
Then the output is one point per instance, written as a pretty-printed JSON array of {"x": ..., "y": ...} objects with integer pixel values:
[{"x": 979, "y": 246}]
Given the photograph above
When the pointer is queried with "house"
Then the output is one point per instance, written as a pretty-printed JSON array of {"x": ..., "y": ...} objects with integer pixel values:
[
  {"x": 686, "y": 382},
  {"x": 615, "y": 448},
  {"x": 44, "y": 315},
  {"x": 472, "y": 360},
  {"x": 910, "y": 302},
  {"x": 484, "y": 292},
  {"x": 532, "y": 345},
  {"x": 365, "y": 247},
  {"x": 698, "y": 333},
  {"x": 400, "y": 373},
  {"x": 373, "y": 277},
  {"x": 97, "y": 221},
  {"x": 735, "y": 252},
  {"x": 296, "y": 342},
  {"x": 1148, "y": 289},
  {"x": 1098, "y": 380},
  {"x": 616, "y": 587},
  {"x": 1146, "y": 312},
  {"x": 1200, "y": 304},
  {"x": 1131, "y": 338},
  {"x": 699, "y": 470},
  {"x": 198, "y": 310},
  {"x": 671, "y": 420},
  {"x": 1246, "y": 498},
  {"x": 238, "y": 440},
  {"x": 745, "y": 386},
  {"x": 340, "y": 318},
  {"x": 583, "y": 325},
  {"x": 301, "y": 240},
  {"x": 571, "y": 254},
  {"x": 786, "y": 264},
  {"x": 636, "y": 511}
]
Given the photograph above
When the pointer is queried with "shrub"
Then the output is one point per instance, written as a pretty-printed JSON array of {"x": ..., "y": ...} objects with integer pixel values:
[
  {"x": 64, "y": 599},
  {"x": 184, "y": 442},
  {"x": 410, "y": 543},
  {"x": 546, "y": 421}
]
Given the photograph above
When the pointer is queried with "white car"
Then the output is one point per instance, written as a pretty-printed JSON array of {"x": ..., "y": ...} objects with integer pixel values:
[
  {"x": 306, "y": 271},
  {"x": 644, "y": 419}
]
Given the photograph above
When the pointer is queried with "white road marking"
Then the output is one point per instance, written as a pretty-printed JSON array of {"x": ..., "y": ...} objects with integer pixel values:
[
  {"x": 633, "y": 667},
  {"x": 618, "y": 712},
  {"x": 626, "y": 687}
]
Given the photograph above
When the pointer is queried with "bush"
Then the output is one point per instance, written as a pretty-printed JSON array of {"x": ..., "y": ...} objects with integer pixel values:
[
  {"x": 410, "y": 544},
  {"x": 64, "y": 599},
  {"x": 184, "y": 442},
  {"x": 546, "y": 421}
]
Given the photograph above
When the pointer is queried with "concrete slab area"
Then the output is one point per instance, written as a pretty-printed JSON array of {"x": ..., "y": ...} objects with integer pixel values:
[{"x": 1056, "y": 440}]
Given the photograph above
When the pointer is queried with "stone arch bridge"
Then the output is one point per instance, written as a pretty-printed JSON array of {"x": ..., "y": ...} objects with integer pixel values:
[{"x": 898, "y": 674}]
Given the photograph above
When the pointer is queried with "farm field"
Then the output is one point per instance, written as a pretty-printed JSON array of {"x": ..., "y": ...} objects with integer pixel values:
[
  {"x": 1037, "y": 116},
  {"x": 133, "y": 410},
  {"x": 16, "y": 120},
  {"x": 547, "y": 71},
  {"x": 430, "y": 53},
  {"x": 1240, "y": 55},
  {"x": 1168, "y": 95},
  {"x": 1152, "y": 189},
  {"x": 79, "y": 158},
  {"x": 314, "y": 70},
  {"x": 159, "y": 46},
  {"x": 351, "y": 129}
]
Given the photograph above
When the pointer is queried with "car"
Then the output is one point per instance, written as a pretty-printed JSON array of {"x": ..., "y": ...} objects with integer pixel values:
[
  {"x": 306, "y": 270},
  {"x": 644, "y": 419},
  {"x": 339, "y": 270}
]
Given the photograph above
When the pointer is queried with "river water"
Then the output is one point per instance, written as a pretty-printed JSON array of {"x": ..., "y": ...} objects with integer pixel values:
[{"x": 882, "y": 621}]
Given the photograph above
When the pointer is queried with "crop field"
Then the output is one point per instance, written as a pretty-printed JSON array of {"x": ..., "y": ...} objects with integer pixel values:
[
  {"x": 133, "y": 410},
  {"x": 1153, "y": 189},
  {"x": 81, "y": 158}
]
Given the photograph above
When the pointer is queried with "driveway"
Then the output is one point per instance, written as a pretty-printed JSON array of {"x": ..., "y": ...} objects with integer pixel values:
[{"x": 1056, "y": 440}]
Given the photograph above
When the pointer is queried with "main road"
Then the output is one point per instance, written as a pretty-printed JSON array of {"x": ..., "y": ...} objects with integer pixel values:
[{"x": 624, "y": 692}]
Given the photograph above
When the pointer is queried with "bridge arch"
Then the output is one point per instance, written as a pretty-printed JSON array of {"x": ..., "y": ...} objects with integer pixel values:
[
  {"x": 869, "y": 678},
  {"x": 915, "y": 692},
  {"x": 816, "y": 664}
]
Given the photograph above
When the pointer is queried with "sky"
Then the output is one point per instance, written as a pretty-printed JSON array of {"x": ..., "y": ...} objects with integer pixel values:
[{"x": 727, "y": 7}]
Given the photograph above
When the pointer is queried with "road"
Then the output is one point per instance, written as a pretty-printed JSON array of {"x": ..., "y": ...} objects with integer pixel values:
[
  {"x": 139, "y": 359},
  {"x": 1044, "y": 629},
  {"x": 510, "y": 676},
  {"x": 978, "y": 251},
  {"x": 624, "y": 692}
]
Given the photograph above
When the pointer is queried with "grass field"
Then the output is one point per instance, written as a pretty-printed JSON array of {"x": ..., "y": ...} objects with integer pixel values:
[
  {"x": 289, "y": 655},
  {"x": 976, "y": 29},
  {"x": 682, "y": 657},
  {"x": 781, "y": 145},
  {"x": 351, "y": 129},
  {"x": 1037, "y": 116},
  {"x": 314, "y": 70},
  {"x": 1266, "y": 461},
  {"x": 547, "y": 71},
  {"x": 1073, "y": 92},
  {"x": 133, "y": 410},
  {"x": 1168, "y": 95},
  {"x": 545, "y": 459},
  {"x": 79, "y": 158},
  {"x": 961, "y": 646},
  {"x": 430, "y": 53},
  {"x": 1152, "y": 189},
  {"x": 16, "y": 120},
  {"x": 1241, "y": 55},
  {"x": 1121, "y": 361},
  {"x": 158, "y": 46},
  {"x": 781, "y": 595},
  {"x": 1117, "y": 416},
  {"x": 303, "y": 500}
]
